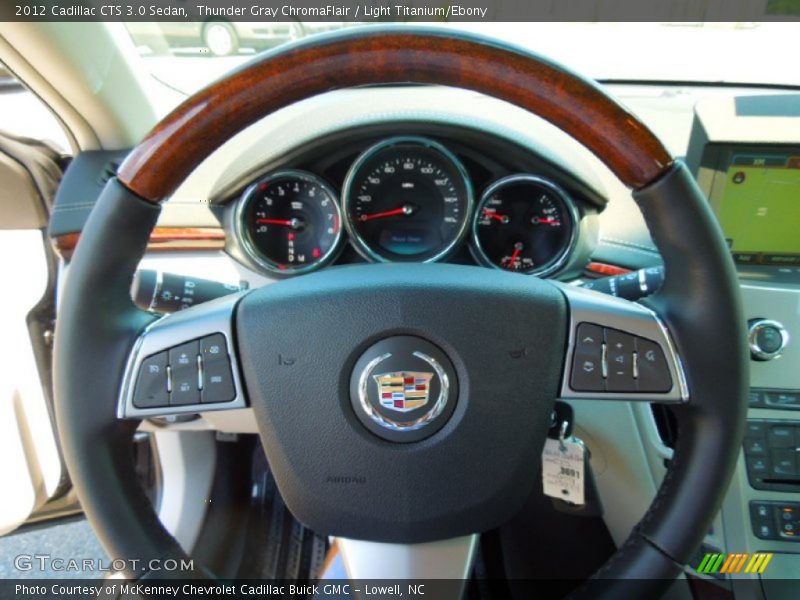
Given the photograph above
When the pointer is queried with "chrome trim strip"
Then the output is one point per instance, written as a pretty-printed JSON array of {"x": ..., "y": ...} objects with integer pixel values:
[{"x": 446, "y": 559}]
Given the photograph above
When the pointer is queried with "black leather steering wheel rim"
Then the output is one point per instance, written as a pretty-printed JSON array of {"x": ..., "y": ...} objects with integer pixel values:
[{"x": 98, "y": 325}]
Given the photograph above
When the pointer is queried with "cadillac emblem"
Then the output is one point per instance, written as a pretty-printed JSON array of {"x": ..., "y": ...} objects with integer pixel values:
[
  {"x": 403, "y": 391},
  {"x": 403, "y": 388}
]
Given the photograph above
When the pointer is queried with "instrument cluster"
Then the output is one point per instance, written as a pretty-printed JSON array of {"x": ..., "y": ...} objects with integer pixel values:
[{"x": 406, "y": 199}]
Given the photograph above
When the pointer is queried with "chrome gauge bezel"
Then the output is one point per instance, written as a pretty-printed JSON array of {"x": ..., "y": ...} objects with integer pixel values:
[
  {"x": 554, "y": 266},
  {"x": 251, "y": 249},
  {"x": 358, "y": 242}
]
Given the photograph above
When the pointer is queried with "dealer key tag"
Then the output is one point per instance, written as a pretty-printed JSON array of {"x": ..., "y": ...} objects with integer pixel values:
[{"x": 563, "y": 466}]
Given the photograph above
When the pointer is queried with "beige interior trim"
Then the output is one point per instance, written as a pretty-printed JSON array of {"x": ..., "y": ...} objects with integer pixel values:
[
  {"x": 87, "y": 73},
  {"x": 78, "y": 130},
  {"x": 31, "y": 469}
]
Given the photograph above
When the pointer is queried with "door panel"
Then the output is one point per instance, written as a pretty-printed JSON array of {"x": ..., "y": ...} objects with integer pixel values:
[{"x": 31, "y": 469}]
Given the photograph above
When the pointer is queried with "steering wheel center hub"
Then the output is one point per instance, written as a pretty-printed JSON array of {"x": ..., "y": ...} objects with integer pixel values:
[
  {"x": 395, "y": 393},
  {"x": 403, "y": 388}
]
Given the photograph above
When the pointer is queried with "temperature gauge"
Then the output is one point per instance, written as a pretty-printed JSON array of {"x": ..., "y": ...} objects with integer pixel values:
[{"x": 524, "y": 224}]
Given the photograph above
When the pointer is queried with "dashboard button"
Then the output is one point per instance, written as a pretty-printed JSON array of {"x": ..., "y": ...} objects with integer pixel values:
[
  {"x": 764, "y": 530},
  {"x": 756, "y": 398},
  {"x": 652, "y": 367},
  {"x": 587, "y": 368},
  {"x": 151, "y": 384},
  {"x": 213, "y": 346},
  {"x": 754, "y": 447},
  {"x": 782, "y": 259},
  {"x": 746, "y": 258},
  {"x": 756, "y": 429},
  {"x": 767, "y": 339},
  {"x": 217, "y": 381},
  {"x": 781, "y": 436},
  {"x": 784, "y": 462},
  {"x": 789, "y": 529},
  {"x": 781, "y": 399},
  {"x": 619, "y": 348},
  {"x": 184, "y": 374},
  {"x": 761, "y": 517},
  {"x": 760, "y": 510},
  {"x": 758, "y": 466}
]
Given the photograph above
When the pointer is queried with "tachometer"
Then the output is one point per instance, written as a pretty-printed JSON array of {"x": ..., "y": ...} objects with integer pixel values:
[
  {"x": 524, "y": 224},
  {"x": 290, "y": 222},
  {"x": 407, "y": 199}
]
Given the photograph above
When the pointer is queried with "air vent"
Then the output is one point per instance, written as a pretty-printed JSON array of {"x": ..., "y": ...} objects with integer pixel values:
[{"x": 109, "y": 170}]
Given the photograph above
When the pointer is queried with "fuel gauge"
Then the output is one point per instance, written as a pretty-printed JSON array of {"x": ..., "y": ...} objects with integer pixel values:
[{"x": 524, "y": 224}]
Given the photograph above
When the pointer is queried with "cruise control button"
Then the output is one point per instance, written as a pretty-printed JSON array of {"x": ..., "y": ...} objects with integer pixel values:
[
  {"x": 619, "y": 350},
  {"x": 652, "y": 367},
  {"x": 587, "y": 369},
  {"x": 185, "y": 374},
  {"x": 151, "y": 383},
  {"x": 217, "y": 381},
  {"x": 213, "y": 346}
]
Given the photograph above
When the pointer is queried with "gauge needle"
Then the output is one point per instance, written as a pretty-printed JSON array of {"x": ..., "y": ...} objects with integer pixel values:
[
  {"x": 293, "y": 223},
  {"x": 494, "y": 215},
  {"x": 550, "y": 221},
  {"x": 407, "y": 209},
  {"x": 517, "y": 250},
  {"x": 286, "y": 222}
]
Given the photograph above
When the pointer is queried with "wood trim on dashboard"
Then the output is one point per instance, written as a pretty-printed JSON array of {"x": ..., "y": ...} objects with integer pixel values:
[
  {"x": 579, "y": 107},
  {"x": 162, "y": 239}
]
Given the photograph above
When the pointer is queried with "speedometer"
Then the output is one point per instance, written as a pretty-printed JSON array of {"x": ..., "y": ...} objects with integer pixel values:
[{"x": 407, "y": 200}]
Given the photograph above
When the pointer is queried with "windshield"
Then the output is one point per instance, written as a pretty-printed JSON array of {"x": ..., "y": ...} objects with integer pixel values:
[{"x": 187, "y": 56}]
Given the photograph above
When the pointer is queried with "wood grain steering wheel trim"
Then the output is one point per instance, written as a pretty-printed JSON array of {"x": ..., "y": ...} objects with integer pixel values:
[{"x": 167, "y": 155}]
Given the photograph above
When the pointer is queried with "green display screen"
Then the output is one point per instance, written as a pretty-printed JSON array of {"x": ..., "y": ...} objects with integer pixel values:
[{"x": 759, "y": 207}]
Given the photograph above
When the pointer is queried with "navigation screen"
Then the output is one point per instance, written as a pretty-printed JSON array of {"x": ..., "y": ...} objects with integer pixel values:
[{"x": 758, "y": 207}]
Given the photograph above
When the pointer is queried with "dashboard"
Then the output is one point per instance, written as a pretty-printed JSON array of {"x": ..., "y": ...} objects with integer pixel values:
[
  {"x": 407, "y": 197},
  {"x": 483, "y": 176}
]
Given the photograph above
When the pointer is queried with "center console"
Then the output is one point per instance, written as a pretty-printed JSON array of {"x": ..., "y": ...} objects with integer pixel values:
[{"x": 745, "y": 153}]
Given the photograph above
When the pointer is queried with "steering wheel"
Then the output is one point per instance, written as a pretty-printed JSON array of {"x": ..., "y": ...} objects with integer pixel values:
[{"x": 315, "y": 356}]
